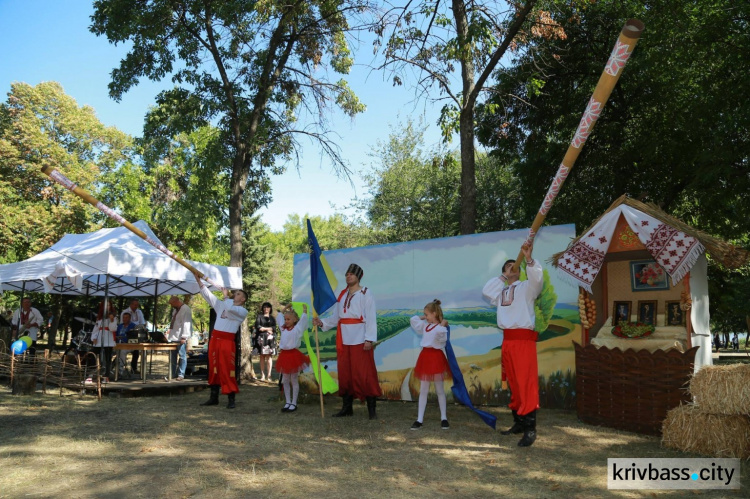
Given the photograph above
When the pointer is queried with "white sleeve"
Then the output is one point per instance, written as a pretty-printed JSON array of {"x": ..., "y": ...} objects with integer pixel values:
[
  {"x": 209, "y": 297},
  {"x": 16, "y": 318},
  {"x": 299, "y": 329},
  {"x": 371, "y": 319},
  {"x": 187, "y": 322},
  {"x": 417, "y": 324},
  {"x": 441, "y": 337},
  {"x": 38, "y": 318},
  {"x": 333, "y": 320},
  {"x": 493, "y": 289},
  {"x": 279, "y": 319},
  {"x": 535, "y": 275},
  {"x": 236, "y": 312}
]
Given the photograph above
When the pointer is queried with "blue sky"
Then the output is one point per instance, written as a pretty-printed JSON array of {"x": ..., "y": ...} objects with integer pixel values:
[{"x": 46, "y": 40}]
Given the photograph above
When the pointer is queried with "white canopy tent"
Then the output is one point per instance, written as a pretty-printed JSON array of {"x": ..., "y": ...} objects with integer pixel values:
[{"x": 109, "y": 262}]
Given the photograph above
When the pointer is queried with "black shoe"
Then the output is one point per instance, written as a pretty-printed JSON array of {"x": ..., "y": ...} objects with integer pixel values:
[
  {"x": 444, "y": 424},
  {"x": 416, "y": 425},
  {"x": 346, "y": 409},
  {"x": 517, "y": 426},
  {"x": 230, "y": 404},
  {"x": 529, "y": 430},
  {"x": 371, "y": 407},
  {"x": 285, "y": 408},
  {"x": 214, "y": 398},
  {"x": 292, "y": 408}
]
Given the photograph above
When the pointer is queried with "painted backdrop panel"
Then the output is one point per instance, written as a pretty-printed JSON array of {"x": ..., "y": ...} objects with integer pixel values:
[{"x": 403, "y": 277}]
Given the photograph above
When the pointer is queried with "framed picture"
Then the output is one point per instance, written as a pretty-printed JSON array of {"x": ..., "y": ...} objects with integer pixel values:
[
  {"x": 647, "y": 275},
  {"x": 622, "y": 311},
  {"x": 647, "y": 312},
  {"x": 674, "y": 316}
]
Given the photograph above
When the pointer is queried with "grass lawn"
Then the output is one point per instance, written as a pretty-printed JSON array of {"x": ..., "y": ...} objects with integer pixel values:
[{"x": 53, "y": 446}]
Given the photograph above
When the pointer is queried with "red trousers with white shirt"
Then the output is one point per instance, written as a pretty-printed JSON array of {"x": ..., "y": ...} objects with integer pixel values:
[
  {"x": 221, "y": 358},
  {"x": 520, "y": 369}
]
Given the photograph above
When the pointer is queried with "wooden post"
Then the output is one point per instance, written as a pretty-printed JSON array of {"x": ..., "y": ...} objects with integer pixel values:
[
  {"x": 624, "y": 46},
  {"x": 320, "y": 373}
]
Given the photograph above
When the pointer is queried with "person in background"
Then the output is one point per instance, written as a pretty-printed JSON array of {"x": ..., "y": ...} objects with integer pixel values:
[
  {"x": 103, "y": 339},
  {"x": 180, "y": 329},
  {"x": 265, "y": 339},
  {"x": 25, "y": 322},
  {"x": 121, "y": 336},
  {"x": 136, "y": 317}
]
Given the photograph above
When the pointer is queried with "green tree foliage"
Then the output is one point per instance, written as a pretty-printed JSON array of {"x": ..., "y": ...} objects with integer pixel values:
[
  {"x": 335, "y": 232},
  {"x": 676, "y": 130},
  {"x": 41, "y": 125},
  {"x": 414, "y": 193},
  {"x": 435, "y": 39},
  {"x": 254, "y": 70}
]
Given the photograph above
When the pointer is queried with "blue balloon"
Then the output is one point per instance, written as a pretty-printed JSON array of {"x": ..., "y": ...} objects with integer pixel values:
[{"x": 18, "y": 347}]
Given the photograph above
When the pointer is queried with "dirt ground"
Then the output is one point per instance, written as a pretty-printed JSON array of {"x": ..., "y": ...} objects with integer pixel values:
[{"x": 52, "y": 446}]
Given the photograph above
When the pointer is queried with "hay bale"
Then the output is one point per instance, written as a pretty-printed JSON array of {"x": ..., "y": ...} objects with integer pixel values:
[
  {"x": 689, "y": 429},
  {"x": 722, "y": 389}
]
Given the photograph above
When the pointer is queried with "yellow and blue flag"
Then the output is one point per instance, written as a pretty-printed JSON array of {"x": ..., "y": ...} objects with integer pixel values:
[
  {"x": 323, "y": 282},
  {"x": 322, "y": 278}
]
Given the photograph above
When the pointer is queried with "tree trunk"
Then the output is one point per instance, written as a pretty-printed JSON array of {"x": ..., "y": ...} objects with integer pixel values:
[
  {"x": 247, "y": 372},
  {"x": 468, "y": 173},
  {"x": 466, "y": 122}
]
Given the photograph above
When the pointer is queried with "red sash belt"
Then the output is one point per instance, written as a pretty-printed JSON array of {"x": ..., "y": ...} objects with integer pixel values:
[
  {"x": 222, "y": 335},
  {"x": 345, "y": 320},
  {"x": 520, "y": 334}
]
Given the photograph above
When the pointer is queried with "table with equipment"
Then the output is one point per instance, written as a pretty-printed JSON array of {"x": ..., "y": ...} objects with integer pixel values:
[{"x": 148, "y": 347}]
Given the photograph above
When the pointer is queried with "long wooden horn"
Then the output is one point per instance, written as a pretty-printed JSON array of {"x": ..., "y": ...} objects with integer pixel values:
[
  {"x": 624, "y": 46},
  {"x": 64, "y": 181}
]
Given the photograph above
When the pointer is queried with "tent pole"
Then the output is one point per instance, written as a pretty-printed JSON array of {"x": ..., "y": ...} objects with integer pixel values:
[{"x": 20, "y": 307}]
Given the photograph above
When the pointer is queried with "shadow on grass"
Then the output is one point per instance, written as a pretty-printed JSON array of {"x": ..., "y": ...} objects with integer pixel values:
[{"x": 172, "y": 447}]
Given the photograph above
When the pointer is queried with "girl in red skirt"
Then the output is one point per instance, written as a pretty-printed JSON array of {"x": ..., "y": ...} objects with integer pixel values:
[
  {"x": 291, "y": 361},
  {"x": 432, "y": 365}
]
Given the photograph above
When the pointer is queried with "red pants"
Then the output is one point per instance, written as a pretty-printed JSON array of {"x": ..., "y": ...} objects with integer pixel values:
[
  {"x": 521, "y": 370},
  {"x": 221, "y": 356},
  {"x": 357, "y": 373}
]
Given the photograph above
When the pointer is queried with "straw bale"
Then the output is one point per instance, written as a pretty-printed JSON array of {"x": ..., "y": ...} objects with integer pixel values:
[
  {"x": 722, "y": 389},
  {"x": 688, "y": 429}
]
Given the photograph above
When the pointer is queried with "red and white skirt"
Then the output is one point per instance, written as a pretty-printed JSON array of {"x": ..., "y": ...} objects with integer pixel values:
[
  {"x": 291, "y": 361},
  {"x": 431, "y": 362}
]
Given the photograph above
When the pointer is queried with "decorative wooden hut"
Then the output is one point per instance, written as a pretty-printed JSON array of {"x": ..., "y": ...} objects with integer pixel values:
[{"x": 644, "y": 312}]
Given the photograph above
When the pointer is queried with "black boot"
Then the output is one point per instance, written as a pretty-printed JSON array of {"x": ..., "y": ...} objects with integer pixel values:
[
  {"x": 346, "y": 409},
  {"x": 214, "y": 399},
  {"x": 371, "y": 407},
  {"x": 230, "y": 405},
  {"x": 529, "y": 430},
  {"x": 517, "y": 426}
]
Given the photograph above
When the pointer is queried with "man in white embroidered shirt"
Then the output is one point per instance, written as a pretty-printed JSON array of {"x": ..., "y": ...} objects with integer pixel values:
[
  {"x": 180, "y": 330},
  {"x": 516, "y": 317}
]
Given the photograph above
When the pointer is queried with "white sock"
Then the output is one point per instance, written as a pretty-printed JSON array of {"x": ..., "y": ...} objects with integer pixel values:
[
  {"x": 424, "y": 389},
  {"x": 287, "y": 388},
  {"x": 295, "y": 388},
  {"x": 440, "y": 390}
]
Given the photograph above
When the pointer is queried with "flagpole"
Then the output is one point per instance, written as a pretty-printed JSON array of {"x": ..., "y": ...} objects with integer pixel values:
[
  {"x": 624, "y": 46},
  {"x": 320, "y": 373}
]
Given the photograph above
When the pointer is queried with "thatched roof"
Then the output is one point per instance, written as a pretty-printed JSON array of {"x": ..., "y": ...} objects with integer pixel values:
[{"x": 729, "y": 255}]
